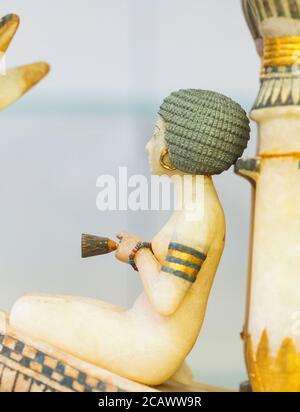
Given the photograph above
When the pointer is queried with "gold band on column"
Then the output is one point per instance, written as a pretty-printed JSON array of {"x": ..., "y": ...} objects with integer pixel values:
[{"x": 281, "y": 51}]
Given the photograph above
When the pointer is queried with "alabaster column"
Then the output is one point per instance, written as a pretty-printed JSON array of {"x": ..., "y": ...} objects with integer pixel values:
[{"x": 272, "y": 333}]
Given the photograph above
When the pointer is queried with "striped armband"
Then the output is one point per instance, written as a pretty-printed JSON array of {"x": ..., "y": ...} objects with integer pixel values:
[{"x": 183, "y": 262}]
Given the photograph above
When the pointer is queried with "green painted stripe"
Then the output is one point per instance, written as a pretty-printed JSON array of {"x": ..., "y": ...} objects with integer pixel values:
[
  {"x": 279, "y": 8},
  {"x": 186, "y": 249},
  {"x": 294, "y": 9},
  {"x": 267, "y": 8},
  {"x": 253, "y": 7},
  {"x": 179, "y": 274},
  {"x": 251, "y": 165},
  {"x": 174, "y": 259},
  {"x": 253, "y": 23},
  {"x": 258, "y": 6}
]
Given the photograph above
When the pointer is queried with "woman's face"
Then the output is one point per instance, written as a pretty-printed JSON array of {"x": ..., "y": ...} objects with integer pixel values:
[{"x": 155, "y": 146}]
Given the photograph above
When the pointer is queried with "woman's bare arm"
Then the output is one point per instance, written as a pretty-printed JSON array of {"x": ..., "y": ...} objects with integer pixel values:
[{"x": 166, "y": 285}]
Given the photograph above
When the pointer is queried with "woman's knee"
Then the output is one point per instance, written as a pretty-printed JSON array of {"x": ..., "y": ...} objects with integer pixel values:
[{"x": 28, "y": 310}]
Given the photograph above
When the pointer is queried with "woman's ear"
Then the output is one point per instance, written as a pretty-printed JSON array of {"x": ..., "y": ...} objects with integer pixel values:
[{"x": 165, "y": 161}]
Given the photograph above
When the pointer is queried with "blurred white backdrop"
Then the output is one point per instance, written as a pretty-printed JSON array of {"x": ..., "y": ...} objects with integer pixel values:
[{"x": 113, "y": 61}]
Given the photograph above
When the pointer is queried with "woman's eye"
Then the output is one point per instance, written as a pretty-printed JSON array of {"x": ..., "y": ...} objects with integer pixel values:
[{"x": 156, "y": 131}]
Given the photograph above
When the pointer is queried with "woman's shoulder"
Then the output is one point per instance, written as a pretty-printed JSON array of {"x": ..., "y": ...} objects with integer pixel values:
[{"x": 198, "y": 228}]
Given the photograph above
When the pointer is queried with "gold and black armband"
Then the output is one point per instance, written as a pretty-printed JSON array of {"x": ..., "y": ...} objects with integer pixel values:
[{"x": 183, "y": 262}]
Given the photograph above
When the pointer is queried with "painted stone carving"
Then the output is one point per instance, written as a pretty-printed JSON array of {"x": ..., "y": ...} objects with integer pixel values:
[{"x": 198, "y": 133}]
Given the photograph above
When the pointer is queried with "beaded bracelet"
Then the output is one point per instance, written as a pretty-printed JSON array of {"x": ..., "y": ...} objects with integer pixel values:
[{"x": 138, "y": 246}]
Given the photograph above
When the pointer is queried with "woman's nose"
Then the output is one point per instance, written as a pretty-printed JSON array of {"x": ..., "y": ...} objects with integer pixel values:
[{"x": 148, "y": 145}]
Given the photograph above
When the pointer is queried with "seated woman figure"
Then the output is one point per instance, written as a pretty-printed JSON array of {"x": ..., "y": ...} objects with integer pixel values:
[{"x": 198, "y": 133}]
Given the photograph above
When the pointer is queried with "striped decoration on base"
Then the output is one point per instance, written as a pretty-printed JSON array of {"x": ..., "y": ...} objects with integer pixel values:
[{"x": 24, "y": 368}]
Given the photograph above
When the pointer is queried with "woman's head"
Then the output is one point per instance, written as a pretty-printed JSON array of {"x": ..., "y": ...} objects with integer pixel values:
[{"x": 204, "y": 133}]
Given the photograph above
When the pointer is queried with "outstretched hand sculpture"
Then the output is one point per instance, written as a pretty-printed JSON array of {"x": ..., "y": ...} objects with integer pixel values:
[
  {"x": 198, "y": 133},
  {"x": 15, "y": 82}
]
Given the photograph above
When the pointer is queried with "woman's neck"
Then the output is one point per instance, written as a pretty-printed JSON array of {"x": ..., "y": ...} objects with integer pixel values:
[{"x": 190, "y": 190}]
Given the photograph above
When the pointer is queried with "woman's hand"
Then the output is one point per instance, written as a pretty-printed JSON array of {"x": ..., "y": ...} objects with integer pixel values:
[{"x": 126, "y": 245}]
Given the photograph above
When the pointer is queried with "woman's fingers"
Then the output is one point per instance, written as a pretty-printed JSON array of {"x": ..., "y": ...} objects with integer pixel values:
[
  {"x": 18, "y": 81},
  {"x": 121, "y": 235},
  {"x": 8, "y": 26}
]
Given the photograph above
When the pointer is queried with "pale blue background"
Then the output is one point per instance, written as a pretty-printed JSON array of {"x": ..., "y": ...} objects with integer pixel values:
[{"x": 113, "y": 61}]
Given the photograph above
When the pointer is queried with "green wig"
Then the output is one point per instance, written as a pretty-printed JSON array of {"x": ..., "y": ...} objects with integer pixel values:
[{"x": 206, "y": 132}]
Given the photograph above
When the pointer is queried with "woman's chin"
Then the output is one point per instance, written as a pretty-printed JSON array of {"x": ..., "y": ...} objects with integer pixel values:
[
  {"x": 154, "y": 172},
  {"x": 155, "y": 169},
  {"x": 151, "y": 168}
]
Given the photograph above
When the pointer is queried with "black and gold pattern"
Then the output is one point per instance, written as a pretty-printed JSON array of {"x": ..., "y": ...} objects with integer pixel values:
[
  {"x": 280, "y": 74},
  {"x": 183, "y": 261},
  {"x": 27, "y": 369},
  {"x": 280, "y": 86}
]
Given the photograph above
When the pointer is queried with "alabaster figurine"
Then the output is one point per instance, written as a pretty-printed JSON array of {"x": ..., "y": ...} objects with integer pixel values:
[
  {"x": 15, "y": 82},
  {"x": 272, "y": 326},
  {"x": 198, "y": 133}
]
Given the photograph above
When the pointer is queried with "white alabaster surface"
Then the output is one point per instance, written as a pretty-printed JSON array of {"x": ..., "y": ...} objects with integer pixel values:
[
  {"x": 3, "y": 322},
  {"x": 282, "y": 27},
  {"x": 274, "y": 300},
  {"x": 279, "y": 129}
]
